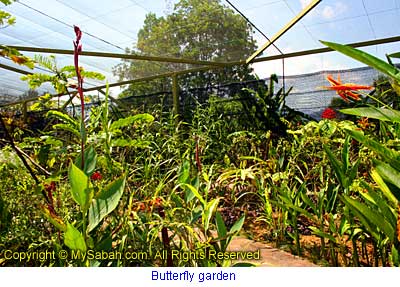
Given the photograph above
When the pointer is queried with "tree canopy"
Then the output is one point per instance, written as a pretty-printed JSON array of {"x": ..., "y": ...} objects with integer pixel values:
[{"x": 195, "y": 29}]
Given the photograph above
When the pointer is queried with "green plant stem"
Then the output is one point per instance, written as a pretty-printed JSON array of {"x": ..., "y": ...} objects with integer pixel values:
[{"x": 378, "y": 101}]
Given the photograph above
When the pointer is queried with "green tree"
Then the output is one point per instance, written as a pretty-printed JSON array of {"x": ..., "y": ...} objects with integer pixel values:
[{"x": 196, "y": 29}]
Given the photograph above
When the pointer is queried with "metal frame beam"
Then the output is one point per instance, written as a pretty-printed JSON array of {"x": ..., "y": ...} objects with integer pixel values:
[
  {"x": 13, "y": 69},
  {"x": 326, "y": 50},
  {"x": 289, "y": 25},
  {"x": 117, "y": 55}
]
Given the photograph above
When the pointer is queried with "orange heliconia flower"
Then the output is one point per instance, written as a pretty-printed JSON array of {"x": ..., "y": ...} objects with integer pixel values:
[
  {"x": 363, "y": 123},
  {"x": 345, "y": 90}
]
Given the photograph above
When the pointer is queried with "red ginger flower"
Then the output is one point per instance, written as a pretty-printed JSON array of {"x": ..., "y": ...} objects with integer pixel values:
[
  {"x": 77, "y": 51},
  {"x": 345, "y": 90},
  {"x": 96, "y": 176},
  {"x": 328, "y": 113}
]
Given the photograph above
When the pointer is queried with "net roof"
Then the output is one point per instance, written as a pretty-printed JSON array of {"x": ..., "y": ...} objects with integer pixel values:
[{"x": 112, "y": 26}]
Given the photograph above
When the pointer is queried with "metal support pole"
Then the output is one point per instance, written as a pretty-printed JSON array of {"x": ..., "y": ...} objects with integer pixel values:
[
  {"x": 25, "y": 111},
  {"x": 175, "y": 97}
]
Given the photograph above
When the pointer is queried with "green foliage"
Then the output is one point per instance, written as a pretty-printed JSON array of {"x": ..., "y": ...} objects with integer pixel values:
[
  {"x": 5, "y": 219},
  {"x": 142, "y": 182},
  {"x": 6, "y": 18},
  {"x": 81, "y": 190},
  {"x": 345, "y": 172},
  {"x": 74, "y": 239},
  {"x": 105, "y": 202},
  {"x": 386, "y": 171},
  {"x": 60, "y": 79},
  {"x": 213, "y": 32},
  {"x": 128, "y": 121},
  {"x": 367, "y": 59},
  {"x": 382, "y": 114},
  {"x": 265, "y": 108},
  {"x": 90, "y": 157}
]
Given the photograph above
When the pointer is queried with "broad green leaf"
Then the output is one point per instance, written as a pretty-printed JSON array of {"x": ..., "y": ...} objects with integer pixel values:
[
  {"x": 370, "y": 218},
  {"x": 383, "y": 186},
  {"x": 352, "y": 172},
  {"x": 322, "y": 234},
  {"x": 196, "y": 193},
  {"x": 209, "y": 211},
  {"x": 221, "y": 229},
  {"x": 382, "y": 114},
  {"x": 74, "y": 239},
  {"x": 395, "y": 256},
  {"x": 105, "y": 244},
  {"x": 389, "y": 174},
  {"x": 327, "y": 127},
  {"x": 394, "y": 55},
  {"x": 124, "y": 122},
  {"x": 387, "y": 154},
  {"x": 365, "y": 58},
  {"x": 237, "y": 226},
  {"x": 344, "y": 226},
  {"x": 184, "y": 172},
  {"x": 337, "y": 167},
  {"x": 68, "y": 128},
  {"x": 90, "y": 158},
  {"x": 375, "y": 200},
  {"x": 64, "y": 117},
  {"x": 196, "y": 213},
  {"x": 80, "y": 187},
  {"x": 288, "y": 205},
  {"x": 105, "y": 202}
]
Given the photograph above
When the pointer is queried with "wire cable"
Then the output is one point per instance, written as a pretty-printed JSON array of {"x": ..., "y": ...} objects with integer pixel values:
[
  {"x": 95, "y": 18},
  {"x": 69, "y": 25},
  {"x": 266, "y": 37},
  {"x": 369, "y": 20}
]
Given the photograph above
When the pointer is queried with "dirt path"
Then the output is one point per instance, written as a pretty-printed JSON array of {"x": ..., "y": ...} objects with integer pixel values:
[{"x": 270, "y": 257}]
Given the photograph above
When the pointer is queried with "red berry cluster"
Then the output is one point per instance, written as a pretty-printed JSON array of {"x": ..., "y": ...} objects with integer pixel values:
[
  {"x": 96, "y": 176},
  {"x": 328, "y": 113}
]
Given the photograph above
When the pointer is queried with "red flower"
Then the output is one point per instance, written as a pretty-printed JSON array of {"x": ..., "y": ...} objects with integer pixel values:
[
  {"x": 345, "y": 90},
  {"x": 328, "y": 113},
  {"x": 96, "y": 176}
]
